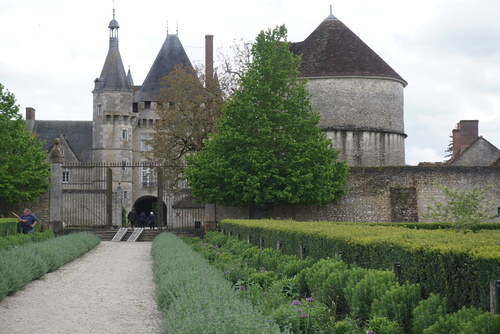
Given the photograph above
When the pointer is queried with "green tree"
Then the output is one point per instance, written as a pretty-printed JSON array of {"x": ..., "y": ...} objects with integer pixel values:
[
  {"x": 24, "y": 174},
  {"x": 268, "y": 147},
  {"x": 464, "y": 208}
]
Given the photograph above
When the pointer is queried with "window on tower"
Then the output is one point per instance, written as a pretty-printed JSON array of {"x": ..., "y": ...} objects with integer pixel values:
[
  {"x": 124, "y": 134},
  {"x": 135, "y": 107},
  {"x": 148, "y": 177},
  {"x": 145, "y": 146}
]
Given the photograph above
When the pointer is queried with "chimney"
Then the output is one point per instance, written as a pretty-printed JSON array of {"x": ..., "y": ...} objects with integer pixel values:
[
  {"x": 468, "y": 133},
  {"x": 30, "y": 114},
  {"x": 30, "y": 118},
  {"x": 464, "y": 135},
  {"x": 456, "y": 141},
  {"x": 209, "y": 62}
]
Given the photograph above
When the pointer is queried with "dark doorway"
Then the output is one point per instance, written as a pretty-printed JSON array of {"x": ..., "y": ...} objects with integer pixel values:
[{"x": 149, "y": 204}]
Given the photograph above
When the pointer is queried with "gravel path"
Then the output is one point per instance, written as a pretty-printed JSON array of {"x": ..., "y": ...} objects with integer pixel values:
[{"x": 108, "y": 290}]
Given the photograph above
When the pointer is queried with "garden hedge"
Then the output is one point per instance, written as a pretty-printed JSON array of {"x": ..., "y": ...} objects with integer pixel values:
[
  {"x": 455, "y": 265},
  {"x": 8, "y": 226}
]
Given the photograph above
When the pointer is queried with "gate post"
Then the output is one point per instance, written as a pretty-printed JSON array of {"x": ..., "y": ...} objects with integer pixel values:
[
  {"x": 55, "y": 204},
  {"x": 159, "y": 214},
  {"x": 109, "y": 197},
  {"x": 117, "y": 206},
  {"x": 495, "y": 297}
]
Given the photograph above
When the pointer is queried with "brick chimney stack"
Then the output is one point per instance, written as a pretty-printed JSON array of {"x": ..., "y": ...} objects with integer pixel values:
[
  {"x": 30, "y": 118},
  {"x": 30, "y": 114},
  {"x": 209, "y": 62},
  {"x": 464, "y": 135}
]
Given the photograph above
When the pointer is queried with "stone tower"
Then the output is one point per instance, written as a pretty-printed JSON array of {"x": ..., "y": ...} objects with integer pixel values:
[
  {"x": 359, "y": 96},
  {"x": 113, "y": 118}
]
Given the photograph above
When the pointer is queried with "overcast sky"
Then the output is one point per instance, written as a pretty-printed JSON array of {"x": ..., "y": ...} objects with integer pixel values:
[{"x": 447, "y": 50}]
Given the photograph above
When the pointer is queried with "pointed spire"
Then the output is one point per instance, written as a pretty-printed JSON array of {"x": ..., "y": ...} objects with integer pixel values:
[
  {"x": 129, "y": 77},
  {"x": 113, "y": 76},
  {"x": 331, "y": 17}
]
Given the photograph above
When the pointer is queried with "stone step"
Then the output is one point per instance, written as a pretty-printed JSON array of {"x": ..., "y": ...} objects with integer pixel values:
[{"x": 147, "y": 234}]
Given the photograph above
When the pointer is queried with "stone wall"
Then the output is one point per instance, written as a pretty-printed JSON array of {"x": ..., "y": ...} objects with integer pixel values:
[
  {"x": 40, "y": 208},
  {"x": 390, "y": 194}
]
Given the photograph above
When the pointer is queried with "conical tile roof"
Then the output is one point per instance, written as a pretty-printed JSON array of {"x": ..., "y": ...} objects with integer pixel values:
[
  {"x": 172, "y": 53},
  {"x": 334, "y": 50}
]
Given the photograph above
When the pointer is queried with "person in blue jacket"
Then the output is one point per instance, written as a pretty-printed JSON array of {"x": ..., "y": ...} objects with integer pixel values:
[
  {"x": 28, "y": 221},
  {"x": 142, "y": 219}
]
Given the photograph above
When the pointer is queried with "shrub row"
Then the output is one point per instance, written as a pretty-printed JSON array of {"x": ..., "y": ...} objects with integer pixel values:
[
  {"x": 8, "y": 226},
  {"x": 21, "y": 265},
  {"x": 332, "y": 296},
  {"x": 454, "y": 265},
  {"x": 438, "y": 226},
  {"x": 22, "y": 239},
  {"x": 195, "y": 297}
]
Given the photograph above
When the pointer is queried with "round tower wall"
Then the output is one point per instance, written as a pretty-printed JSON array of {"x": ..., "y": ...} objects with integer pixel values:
[
  {"x": 358, "y": 103},
  {"x": 364, "y": 118},
  {"x": 368, "y": 148}
]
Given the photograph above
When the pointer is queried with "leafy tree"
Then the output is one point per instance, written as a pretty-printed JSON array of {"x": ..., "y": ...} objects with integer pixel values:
[
  {"x": 464, "y": 208},
  {"x": 187, "y": 116},
  {"x": 268, "y": 148},
  {"x": 24, "y": 174}
]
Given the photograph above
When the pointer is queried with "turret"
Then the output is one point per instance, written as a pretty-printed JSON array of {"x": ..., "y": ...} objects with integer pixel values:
[
  {"x": 358, "y": 95},
  {"x": 113, "y": 118}
]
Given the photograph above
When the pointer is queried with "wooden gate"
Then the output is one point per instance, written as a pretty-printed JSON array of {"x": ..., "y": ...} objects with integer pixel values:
[
  {"x": 89, "y": 200},
  {"x": 86, "y": 195}
]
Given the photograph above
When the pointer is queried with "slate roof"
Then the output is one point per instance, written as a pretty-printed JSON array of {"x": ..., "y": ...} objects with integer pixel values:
[
  {"x": 113, "y": 76},
  {"x": 172, "y": 53},
  {"x": 332, "y": 49},
  {"x": 489, "y": 154},
  {"x": 78, "y": 135}
]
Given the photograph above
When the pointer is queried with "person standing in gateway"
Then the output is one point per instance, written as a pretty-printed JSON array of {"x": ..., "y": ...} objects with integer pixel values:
[
  {"x": 142, "y": 219},
  {"x": 132, "y": 217},
  {"x": 28, "y": 221},
  {"x": 152, "y": 221}
]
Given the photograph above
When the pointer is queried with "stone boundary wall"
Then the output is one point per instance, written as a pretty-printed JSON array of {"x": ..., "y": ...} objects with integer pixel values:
[
  {"x": 40, "y": 208},
  {"x": 370, "y": 189},
  {"x": 388, "y": 194}
]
